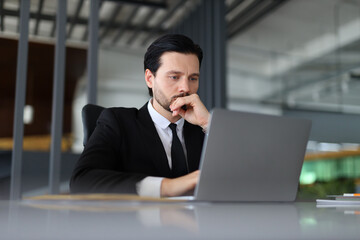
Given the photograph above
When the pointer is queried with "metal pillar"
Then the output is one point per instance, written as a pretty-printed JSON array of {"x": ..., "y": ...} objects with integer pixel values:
[
  {"x": 21, "y": 72},
  {"x": 209, "y": 54},
  {"x": 92, "y": 57},
  {"x": 219, "y": 49},
  {"x": 58, "y": 99}
]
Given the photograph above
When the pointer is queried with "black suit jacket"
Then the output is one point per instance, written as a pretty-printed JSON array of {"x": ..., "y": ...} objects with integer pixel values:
[{"x": 124, "y": 149}]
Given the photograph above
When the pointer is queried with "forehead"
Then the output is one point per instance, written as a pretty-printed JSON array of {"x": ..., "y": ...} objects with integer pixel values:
[{"x": 179, "y": 61}]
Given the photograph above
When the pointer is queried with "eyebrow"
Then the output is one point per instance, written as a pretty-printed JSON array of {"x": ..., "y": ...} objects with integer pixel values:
[{"x": 178, "y": 72}]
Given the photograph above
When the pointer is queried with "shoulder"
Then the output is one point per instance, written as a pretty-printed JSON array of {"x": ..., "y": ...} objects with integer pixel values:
[
  {"x": 121, "y": 111},
  {"x": 118, "y": 113},
  {"x": 121, "y": 114}
]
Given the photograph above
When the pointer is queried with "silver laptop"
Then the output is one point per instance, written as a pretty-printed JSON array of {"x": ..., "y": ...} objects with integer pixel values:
[{"x": 252, "y": 157}]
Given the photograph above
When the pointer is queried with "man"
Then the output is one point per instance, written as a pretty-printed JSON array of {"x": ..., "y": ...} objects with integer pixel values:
[{"x": 138, "y": 151}]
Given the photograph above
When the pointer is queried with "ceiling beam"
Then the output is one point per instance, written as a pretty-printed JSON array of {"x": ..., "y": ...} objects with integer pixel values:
[
  {"x": 162, "y": 4},
  {"x": 126, "y": 24},
  {"x": 233, "y": 5},
  {"x": 252, "y": 14},
  {"x": 141, "y": 26},
  {"x": 258, "y": 13},
  {"x": 37, "y": 24},
  {"x": 76, "y": 16},
  {"x": 80, "y": 21},
  {"x": 110, "y": 22},
  {"x": 52, "y": 33},
  {"x": 244, "y": 14},
  {"x": 166, "y": 17}
]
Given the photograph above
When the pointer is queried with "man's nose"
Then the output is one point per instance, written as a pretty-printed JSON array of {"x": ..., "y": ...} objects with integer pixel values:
[{"x": 184, "y": 85}]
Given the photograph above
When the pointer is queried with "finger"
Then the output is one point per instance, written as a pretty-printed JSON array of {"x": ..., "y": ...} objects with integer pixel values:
[
  {"x": 177, "y": 112},
  {"x": 179, "y": 102}
]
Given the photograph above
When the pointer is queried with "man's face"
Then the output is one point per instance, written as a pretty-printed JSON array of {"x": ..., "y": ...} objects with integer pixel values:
[{"x": 177, "y": 76}]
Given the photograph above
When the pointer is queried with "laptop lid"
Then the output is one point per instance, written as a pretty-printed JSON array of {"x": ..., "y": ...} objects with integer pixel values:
[{"x": 252, "y": 157}]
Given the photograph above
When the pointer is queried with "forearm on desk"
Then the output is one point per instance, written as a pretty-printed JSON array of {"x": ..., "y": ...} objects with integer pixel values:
[{"x": 149, "y": 187}]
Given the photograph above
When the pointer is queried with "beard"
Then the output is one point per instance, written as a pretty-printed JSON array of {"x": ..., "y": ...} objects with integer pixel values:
[{"x": 163, "y": 101}]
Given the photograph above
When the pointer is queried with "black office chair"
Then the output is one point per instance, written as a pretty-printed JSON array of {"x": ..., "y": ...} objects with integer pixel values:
[{"x": 90, "y": 113}]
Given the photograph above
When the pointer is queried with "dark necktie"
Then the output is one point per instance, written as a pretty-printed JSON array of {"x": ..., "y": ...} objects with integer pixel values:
[{"x": 179, "y": 164}]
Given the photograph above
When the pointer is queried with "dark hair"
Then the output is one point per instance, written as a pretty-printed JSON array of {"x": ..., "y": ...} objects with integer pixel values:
[{"x": 169, "y": 43}]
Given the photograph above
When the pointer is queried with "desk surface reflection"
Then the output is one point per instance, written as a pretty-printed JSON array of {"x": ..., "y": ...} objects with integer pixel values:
[{"x": 135, "y": 220}]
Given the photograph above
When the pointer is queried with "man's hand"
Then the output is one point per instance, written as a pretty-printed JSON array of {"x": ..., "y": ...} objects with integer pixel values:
[
  {"x": 196, "y": 112},
  {"x": 179, "y": 186}
]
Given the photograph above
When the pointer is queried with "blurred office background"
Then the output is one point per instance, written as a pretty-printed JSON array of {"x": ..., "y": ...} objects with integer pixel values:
[{"x": 284, "y": 57}]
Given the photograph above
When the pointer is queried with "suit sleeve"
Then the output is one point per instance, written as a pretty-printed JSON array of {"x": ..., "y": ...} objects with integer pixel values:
[{"x": 99, "y": 168}]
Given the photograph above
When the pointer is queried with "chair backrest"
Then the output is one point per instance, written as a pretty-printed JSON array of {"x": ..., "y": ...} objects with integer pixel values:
[{"x": 90, "y": 113}]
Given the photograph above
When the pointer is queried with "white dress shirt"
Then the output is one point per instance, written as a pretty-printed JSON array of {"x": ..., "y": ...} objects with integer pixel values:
[{"x": 150, "y": 186}]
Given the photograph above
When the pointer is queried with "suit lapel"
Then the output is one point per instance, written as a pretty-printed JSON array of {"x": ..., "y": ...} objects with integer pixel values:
[{"x": 153, "y": 140}]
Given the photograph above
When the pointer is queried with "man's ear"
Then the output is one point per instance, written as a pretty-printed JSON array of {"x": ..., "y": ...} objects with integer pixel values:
[{"x": 149, "y": 78}]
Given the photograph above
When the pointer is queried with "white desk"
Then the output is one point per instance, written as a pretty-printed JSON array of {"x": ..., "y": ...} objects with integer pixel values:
[{"x": 134, "y": 220}]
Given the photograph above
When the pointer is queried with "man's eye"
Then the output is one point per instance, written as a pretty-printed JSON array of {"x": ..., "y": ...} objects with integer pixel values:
[
  {"x": 194, "y": 79},
  {"x": 173, "y": 77}
]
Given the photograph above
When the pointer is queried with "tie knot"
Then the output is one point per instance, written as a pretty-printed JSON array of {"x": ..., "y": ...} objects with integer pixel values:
[{"x": 173, "y": 127}]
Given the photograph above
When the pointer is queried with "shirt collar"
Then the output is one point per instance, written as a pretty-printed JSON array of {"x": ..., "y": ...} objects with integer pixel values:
[{"x": 160, "y": 120}]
